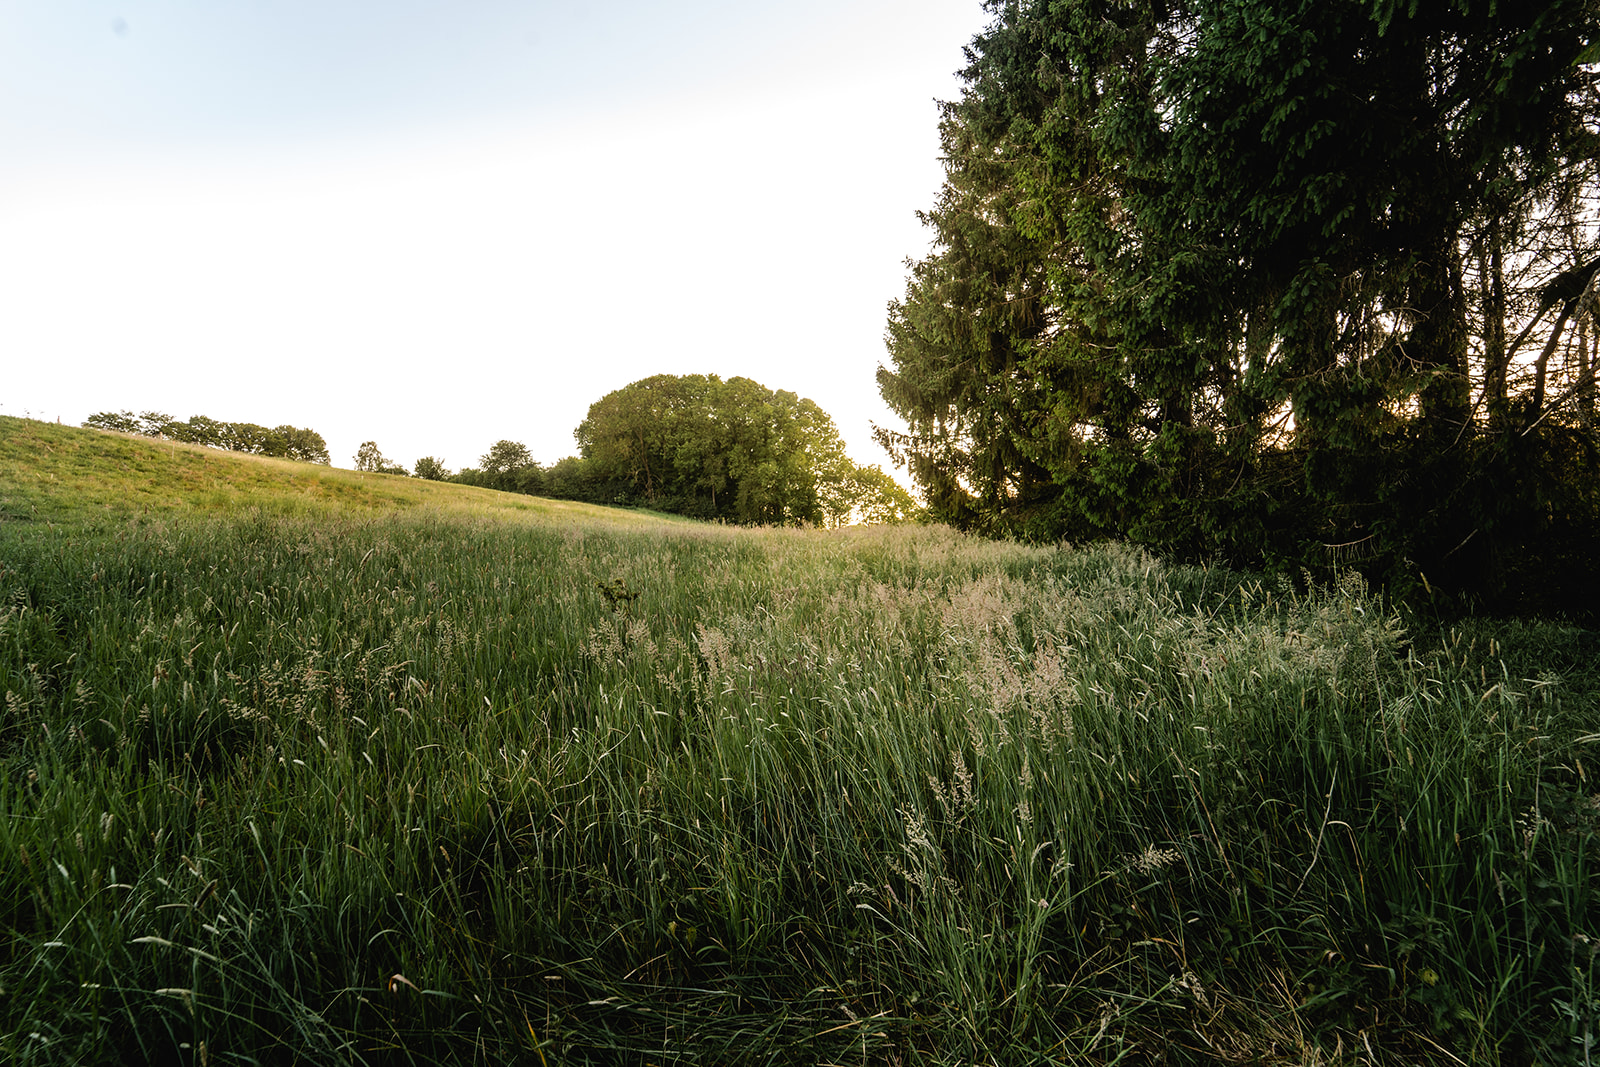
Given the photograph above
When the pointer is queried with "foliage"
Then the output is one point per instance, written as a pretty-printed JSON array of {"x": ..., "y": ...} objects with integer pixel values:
[
  {"x": 872, "y": 496},
  {"x": 432, "y": 469},
  {"x": 730, "y": 450},
  {"x": 570, "y": 479},
  {"x": 302, "y": 444},
  {"x": 1236, "y": 277},
  {"x": 370, "y": 460},
  {"x": 547, "y": 783},
  {"x": 118, "y": 421},
  {"x": 288, "y": 442},
  {"x": 505, "y": 457},
  {"x": 509, "y": 467}
]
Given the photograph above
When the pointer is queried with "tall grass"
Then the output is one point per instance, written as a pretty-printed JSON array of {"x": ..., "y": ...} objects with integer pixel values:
[{"x": 432, "y": 787}]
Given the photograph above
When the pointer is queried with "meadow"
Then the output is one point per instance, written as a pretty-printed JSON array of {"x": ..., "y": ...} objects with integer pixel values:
[{"x": 304, "y": 766}]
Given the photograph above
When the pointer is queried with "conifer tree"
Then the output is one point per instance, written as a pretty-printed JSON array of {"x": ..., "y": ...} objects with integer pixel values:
[{"x": 1236, "y": 276}]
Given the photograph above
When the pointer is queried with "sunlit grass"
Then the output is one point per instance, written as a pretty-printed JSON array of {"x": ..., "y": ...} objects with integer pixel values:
[
  {"x": 50, "y": 473},
  {"x": 454, "y": 776}
]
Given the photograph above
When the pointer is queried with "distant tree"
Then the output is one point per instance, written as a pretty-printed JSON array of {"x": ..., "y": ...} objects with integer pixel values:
[
  {"x": 505, "y": 456},
  {"x": 369, "y": 458},
  {"x": 571, "y": 479},
  {"x": 732, "y": 450},
  {"x": 880, "y": 500},
  {"x": 148, "y": 424},
  {"x": 529, "y": 479},
  {"x": 431, "y": 469},
  {"x": 253, "y": 439},
  {"x": 508, "y": 466},
  {"x": 302, "y": 444},
  {"x": 117, "y": 421},
  {"x": 290, "y": 442},
  {"x": 156, "y": 423},
  {"x": 200, "y": 430}
]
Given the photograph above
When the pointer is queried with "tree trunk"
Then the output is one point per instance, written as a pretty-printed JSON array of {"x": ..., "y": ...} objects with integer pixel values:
[
  {"x": 1492, "y": 293},
  {"x": 1586, "y": 368},
  {"x": 1536, "y": 409},
  {"x": 1438, "y": 342}
]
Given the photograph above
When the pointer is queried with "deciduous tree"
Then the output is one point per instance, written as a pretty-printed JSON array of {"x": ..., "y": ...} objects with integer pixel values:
[
  {"x": 369, "y": 458},
  {"x": 291, "y": 442},
  {"x": 302, "y": 444},
  {"x": 732, "y": 450},
  {"x": 431, "y": 468},
  {"x": 508, "y": 466}
]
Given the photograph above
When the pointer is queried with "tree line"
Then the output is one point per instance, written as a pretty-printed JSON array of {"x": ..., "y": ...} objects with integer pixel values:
[
  {"x": 1301, "y": 285},
  {"x": 696, "y": 445},
  {"x": 287, "y": 442}
]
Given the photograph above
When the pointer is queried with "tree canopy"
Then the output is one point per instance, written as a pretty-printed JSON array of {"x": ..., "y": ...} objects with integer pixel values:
[
  {"x": 371, "y": 459},
  {"x": 731, "y": 450},
  {"x": 1302, "y": 283},
  {"x": 288, "y": 442},
  {"x": 431, "y": 468},
  {"x": 507, "y": 466}
]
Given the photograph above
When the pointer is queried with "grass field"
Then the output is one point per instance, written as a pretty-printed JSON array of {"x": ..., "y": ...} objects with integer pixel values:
[{"x": 304, "y": 766}]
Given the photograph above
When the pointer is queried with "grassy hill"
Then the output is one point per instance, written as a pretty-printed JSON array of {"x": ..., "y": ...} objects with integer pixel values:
[
  {"x": 53, "y": 473},
  {"x": 301, "y": 765}
]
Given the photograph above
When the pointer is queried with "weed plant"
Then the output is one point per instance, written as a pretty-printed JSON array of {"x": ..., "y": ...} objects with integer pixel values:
[{"x": 305, "y": 784}]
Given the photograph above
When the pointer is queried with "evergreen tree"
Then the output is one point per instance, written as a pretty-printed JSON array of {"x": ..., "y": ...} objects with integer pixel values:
[{"x": 1233, "y": 276}]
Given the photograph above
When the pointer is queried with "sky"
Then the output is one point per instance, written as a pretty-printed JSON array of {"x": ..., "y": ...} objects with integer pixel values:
[{"x": 436, "y": 224}]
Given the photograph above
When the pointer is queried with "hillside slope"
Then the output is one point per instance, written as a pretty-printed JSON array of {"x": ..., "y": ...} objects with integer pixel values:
[{"x": 54, "y": 473}]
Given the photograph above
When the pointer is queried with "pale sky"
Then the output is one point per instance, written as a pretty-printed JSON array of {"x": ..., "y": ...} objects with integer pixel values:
[{"x": 438, "y": 224}]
